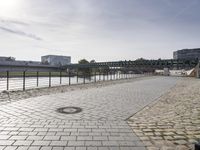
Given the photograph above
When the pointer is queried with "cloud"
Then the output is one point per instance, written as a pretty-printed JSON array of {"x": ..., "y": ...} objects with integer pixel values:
[
  {"x": 13, "y": 22},
  {"x": 29, "y": 35}
]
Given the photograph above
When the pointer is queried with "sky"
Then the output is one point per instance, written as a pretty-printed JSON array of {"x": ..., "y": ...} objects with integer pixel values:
[{"x": 103, "y": 30}]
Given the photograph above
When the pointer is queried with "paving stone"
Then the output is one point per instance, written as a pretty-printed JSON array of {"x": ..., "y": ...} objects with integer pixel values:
[
  {"x": 67, "y": 138},
  {"x": 76, "y": 143},
  {"x": 182, "y": 147},
  {"x": 93, "y": 143},
  {"x": 69, "y": 148},
  {"x": 46, "y": 148},
  {"x": 2, "y": 147},
  {"x": 41, "y": 129},
  {"x": 116, "y": 138},
  {"x": 34, "y": 148},
  {"x": 10, "y": 148},
  {"x": 100, "y": 138},
  {"x": 26, "y": 129},
  {"x": 114, "y": 148},
  {"x": 103, "y": 148},
  {"x": 4, "y": 137},
  {"x": 63, "y": 133},
  {"x": 84, "y": 138},
  {"x": 6, "y": 142},
  {"x": 22, "y": 148},
  {"x": 80, "y": 148},
  {"x": 110, "y": 143},
  {"x": 58, "y": 148},
  {"x": 16, "y": 137},
  {"x": 41, "y": 143},
  {"x": 52, "y": 138},
  {"x": 59, "y": 143},
  {"x": 35, "y": 137},
  {"x": 23, "y": 143},
  {"x": 92, "y": 148}
]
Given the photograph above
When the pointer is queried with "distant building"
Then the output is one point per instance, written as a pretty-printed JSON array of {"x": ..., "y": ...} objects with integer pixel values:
[
  {"x": 187, "y": 54},
  {"x": 10, "y": 61},
  {"x": 7, "y": 58},
  {"x": 56, "y": 60}
]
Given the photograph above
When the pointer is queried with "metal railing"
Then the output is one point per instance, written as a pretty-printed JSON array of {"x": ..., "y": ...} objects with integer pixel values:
[{"x": 30, "y": 80}]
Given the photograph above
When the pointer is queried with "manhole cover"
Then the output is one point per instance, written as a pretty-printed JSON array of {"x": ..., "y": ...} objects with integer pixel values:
[{"x": 69, "y": 110}]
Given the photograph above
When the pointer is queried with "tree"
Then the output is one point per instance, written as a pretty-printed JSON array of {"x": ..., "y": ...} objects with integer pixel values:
[
  {"x": 85, "y": 71},
  {"x": 93, "y": 61},
  {"x": 140, "y": 59},
  {"x": 83, "y": 61}
]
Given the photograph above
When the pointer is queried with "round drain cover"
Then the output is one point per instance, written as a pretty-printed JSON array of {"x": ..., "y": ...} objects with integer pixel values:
[{"x": 69, "y": 110}]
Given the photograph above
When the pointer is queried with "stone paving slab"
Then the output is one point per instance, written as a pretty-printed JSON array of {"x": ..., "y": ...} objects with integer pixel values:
[
  {"x": 173, "y": 122},
  {"x": 34, "y": 123}
]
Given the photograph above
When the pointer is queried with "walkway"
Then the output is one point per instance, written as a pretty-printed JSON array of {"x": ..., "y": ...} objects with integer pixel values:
[{"x": 34, "y": 124}]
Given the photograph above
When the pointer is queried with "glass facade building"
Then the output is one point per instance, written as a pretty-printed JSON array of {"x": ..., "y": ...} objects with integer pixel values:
[{"x": 187, "y": 54}]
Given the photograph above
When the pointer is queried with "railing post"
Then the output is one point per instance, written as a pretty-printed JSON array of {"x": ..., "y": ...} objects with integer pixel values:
[
  {"x": 7, "y": 80},
  {"x": 103, "y": 75},
  {"x": 111, "y": 75},
  {"x": 107, "y": 75},
  {"x": 84, "y": 78},
  {"x": 95, "y": 74},
  {"x": 69, "y": 77},
  {"x": 90, "y": 76},
  {"x": 77, "y": 76},
  {"x": 37, "y": 78},
  {"x": 24, "y": 80},
  {"x": 60, "y": 77},
  {"x": 99, "y": 76},
  {"x": 117, "y": 74},
  {"x": 49, "y": 79}
]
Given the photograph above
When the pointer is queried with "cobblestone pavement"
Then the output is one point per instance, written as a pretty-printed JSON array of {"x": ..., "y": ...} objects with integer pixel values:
[
  {"x": 34, "y": 123},
  {"x": 173, "y": 122}
]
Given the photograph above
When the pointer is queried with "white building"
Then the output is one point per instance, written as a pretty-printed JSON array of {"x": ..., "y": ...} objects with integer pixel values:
[{"x": 56, "y": 60}]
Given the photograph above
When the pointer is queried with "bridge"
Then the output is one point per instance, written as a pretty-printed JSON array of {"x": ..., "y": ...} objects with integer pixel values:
[{"x": 140, "y": 64}]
